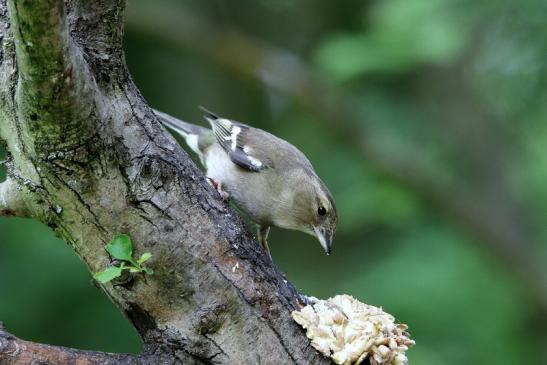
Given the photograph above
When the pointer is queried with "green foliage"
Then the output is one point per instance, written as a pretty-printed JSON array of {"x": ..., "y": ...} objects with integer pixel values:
[
  {"x": 108, "y": 274},
  {"x": 402, "y": 34},
  {"x": 121, "y": 248}
]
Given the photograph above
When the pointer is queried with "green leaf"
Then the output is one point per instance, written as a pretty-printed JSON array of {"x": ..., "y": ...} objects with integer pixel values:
[
  {"x": 148, "y": 271},
  {"x": 108, "y": 274},
  {"x": 144, "y": 257},
  {"x": 121, "y": 248},
  {"x": 134, "y": 269}
]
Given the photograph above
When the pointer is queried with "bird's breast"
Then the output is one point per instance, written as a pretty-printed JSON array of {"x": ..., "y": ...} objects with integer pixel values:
[
  {"x": 218, "y": 164},
  {"x": 252, "y": 191}
]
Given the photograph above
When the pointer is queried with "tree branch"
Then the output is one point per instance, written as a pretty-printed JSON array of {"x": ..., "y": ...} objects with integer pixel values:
[
  {"x": 11, "y": 199},
  {"x": 54, "y": 91},
  {"x": 14, "y": 351},
  {"x": 42, "y": 39}
]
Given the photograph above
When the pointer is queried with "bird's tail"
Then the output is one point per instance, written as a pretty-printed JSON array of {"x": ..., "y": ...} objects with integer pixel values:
[{"x": 190, "y": 132}]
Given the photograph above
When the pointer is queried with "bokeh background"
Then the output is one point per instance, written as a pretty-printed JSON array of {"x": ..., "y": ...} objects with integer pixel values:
[{"x": 426, "y": 118}]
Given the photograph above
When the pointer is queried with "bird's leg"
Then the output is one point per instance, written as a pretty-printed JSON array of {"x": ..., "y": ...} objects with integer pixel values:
[
  {"x": 263, "y": 232},
  {"x": 218, "y": 186}
]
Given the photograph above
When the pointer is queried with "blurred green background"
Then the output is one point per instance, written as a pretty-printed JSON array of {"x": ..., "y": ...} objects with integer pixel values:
[{"x": 427, "y": 120}]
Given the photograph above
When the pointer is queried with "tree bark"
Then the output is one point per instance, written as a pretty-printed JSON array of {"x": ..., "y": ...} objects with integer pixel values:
[{"x": 89, "y": 159}]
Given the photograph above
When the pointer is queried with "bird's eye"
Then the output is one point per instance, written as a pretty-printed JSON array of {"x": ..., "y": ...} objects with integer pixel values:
[{"x": 321, "y": 211}]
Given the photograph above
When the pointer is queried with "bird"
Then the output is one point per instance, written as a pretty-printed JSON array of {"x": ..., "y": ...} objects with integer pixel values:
[{"x": 270, "y": 179}]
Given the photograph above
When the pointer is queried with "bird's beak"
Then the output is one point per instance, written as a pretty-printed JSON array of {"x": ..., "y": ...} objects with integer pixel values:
[{"x": 325, "y": 238}]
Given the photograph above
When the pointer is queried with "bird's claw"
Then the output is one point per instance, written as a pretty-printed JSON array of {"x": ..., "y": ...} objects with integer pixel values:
[{"x": 218, "y": 187}]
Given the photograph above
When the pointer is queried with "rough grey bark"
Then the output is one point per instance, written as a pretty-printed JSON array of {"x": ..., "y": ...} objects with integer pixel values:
[{"x": 89, "y": 159}]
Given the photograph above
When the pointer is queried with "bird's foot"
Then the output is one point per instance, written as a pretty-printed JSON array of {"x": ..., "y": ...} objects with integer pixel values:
[
  {"x": 218, "y": 186},
  {"x": 263, "y": 232}
]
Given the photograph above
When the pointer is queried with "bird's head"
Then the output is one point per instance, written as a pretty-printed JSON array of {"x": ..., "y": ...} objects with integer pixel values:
[{"x": 313, "y": 210}]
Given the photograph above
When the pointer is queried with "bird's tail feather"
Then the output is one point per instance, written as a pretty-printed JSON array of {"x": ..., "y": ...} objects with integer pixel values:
[
  {"x": 190, "y": 132},
  {"x": 183, "y": 128}
]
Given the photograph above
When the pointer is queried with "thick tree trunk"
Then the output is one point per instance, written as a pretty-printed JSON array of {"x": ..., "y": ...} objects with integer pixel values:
[{"x": 89, "y": 159}]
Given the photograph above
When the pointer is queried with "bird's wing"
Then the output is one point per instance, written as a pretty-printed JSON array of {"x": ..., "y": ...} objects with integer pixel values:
[{"x": 235, "y": 138}]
